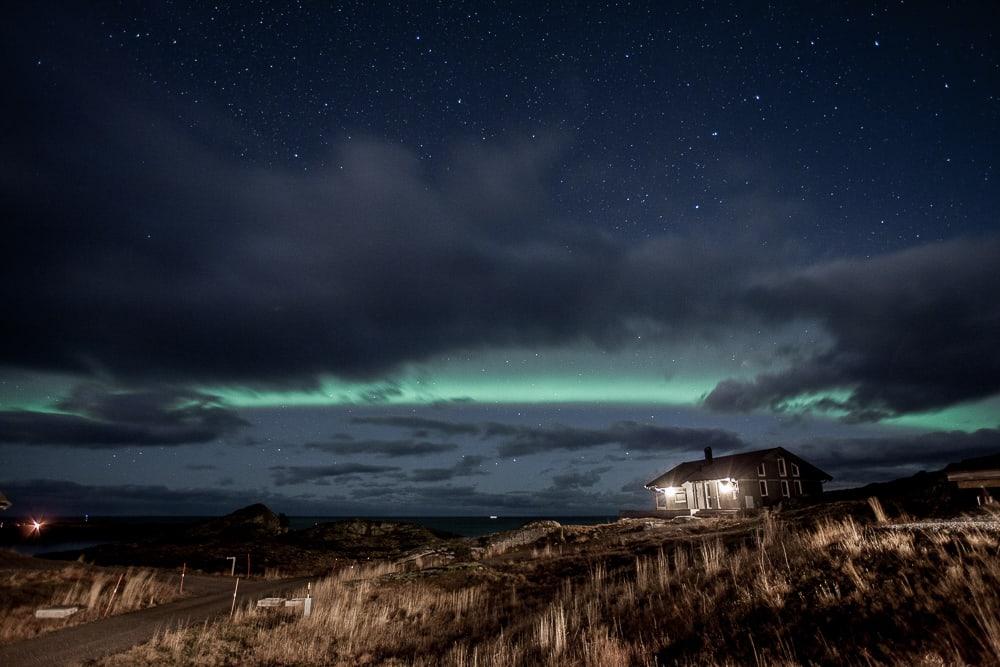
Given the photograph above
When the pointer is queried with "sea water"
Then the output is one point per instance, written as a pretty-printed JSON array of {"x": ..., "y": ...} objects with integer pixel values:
[{"x": 464, "y": 526}]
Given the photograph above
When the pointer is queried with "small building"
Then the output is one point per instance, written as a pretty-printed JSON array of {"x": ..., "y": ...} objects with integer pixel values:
[
  {"x": 4, "y": 503},
  {"x": 981, "y": 473},
  {"x": 746, "y": 481}
]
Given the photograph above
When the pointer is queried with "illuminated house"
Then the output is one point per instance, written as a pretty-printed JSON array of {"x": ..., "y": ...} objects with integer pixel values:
[
  {"x": 746, "y": 481},
  {"x": 4, "y": 503}
]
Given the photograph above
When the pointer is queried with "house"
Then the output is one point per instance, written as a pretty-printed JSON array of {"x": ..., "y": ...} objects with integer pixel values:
[
  {"x": 4, "y": 503},
  {"x": 745, "y": 481},
  {"x": 982, "y": 473}
]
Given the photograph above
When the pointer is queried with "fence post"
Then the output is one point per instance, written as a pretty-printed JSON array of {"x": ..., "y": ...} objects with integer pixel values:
[
  {"x": 113, "y": 593},
  {"x": 232, "y": 609}
]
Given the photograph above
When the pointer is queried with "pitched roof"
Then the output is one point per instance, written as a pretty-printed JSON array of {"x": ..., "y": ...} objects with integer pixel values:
[{"x": 734, "y": 466}]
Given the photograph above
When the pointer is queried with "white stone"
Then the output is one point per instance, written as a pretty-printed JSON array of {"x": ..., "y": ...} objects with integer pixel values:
[
  {"x": 55, "y": 612},
  {"x": 270, "y": 602}
]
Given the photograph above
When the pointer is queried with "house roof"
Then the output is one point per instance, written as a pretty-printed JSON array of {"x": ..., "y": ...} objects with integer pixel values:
[
  {"x": 733, "y": 466},
  {"x": 982, "y": 471}
]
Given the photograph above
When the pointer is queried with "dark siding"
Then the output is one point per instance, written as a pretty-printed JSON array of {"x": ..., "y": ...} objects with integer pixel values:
[{"x": 671, "y": 501}]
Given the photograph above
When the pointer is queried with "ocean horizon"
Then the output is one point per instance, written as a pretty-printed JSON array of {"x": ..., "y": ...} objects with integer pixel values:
[{"x": 463, "y": 526}]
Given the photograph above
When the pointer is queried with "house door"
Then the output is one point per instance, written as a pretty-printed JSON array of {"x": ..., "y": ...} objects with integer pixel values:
[
  {"x": 749, "y": 502},
  {"x": 712, "y": 495},
  {"x": 699, "y": 495}
]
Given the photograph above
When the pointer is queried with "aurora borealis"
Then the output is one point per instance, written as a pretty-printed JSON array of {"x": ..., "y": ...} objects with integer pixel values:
[{"x": 516, "y": 259}]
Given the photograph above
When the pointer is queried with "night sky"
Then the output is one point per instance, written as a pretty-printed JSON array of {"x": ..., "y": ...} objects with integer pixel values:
[{"x": 489, "y": 258}]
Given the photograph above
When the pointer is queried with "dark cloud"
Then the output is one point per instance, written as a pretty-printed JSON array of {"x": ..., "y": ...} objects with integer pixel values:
[
  {"x": 631, "y": 436},
  {"x": 466, "y": 466},
  {"x": 48, "y": 497},
  {"x": 387, "y": 448},
  {"x": 209, "y": 269},
  {"x": 204, "y": 267},
  {"x": 577, "y": 479},
  {"x": 94, "y": 416},
  {"x": 419, "y": 424},
  {"x": 866, "y": 459},
  {"x": 286, "y": 475},
  {"x": 521, "y": 440},
  {"x": 909, "y": 332},
  {"x": 201, "y": 466}
]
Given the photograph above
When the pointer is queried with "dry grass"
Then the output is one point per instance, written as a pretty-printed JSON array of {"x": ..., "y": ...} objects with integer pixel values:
[
  {"x": 23, "y": 590},
  {"x": 834, "y": 593}
]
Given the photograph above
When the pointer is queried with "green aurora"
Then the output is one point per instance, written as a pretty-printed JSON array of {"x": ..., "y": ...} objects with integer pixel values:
[{"x": 500, "y": 383}]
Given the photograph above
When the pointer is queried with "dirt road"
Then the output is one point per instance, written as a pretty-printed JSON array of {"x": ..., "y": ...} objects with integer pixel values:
[{"x": 212, "y": 596}]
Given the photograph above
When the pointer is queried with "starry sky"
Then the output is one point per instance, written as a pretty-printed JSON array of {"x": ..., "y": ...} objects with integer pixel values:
[{"x": 489, "y": 258}]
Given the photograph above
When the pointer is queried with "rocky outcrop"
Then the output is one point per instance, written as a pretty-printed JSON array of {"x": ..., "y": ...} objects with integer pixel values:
[
  {"x": 529, "y": 533},
  {"x": 254, "y": 522},
  {"x": 369, "y": 538}
]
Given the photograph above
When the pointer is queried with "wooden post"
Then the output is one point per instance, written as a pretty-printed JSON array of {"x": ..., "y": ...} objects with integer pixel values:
[
  {"x": 232, "y": 609},
  {"x": 248, "y": 564},
  {"x": 113, "y": 593},
  {"x": 232, "y": 571},
  {"x": 183, "y": 571}
]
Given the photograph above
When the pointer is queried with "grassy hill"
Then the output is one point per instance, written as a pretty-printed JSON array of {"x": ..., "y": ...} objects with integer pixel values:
[{"x": 833, "y": 584}]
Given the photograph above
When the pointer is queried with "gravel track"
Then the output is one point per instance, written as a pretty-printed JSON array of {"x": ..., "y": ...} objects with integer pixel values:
[
  {"x": 212, "y": 597},
  {"x": 988, "y": 525}
]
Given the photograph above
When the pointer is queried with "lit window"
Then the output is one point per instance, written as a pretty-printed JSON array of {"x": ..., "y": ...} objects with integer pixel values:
[
  {"x": 795, "y": 470},
  {"x": 763, "y": 487},
  {"x": 781, "y": 467},
  {"x": 761, "y": 470},
  {"x": 680, "y": 498},
  {"x": 798, "y": 486},
  {"x": 784, "y": 488}
]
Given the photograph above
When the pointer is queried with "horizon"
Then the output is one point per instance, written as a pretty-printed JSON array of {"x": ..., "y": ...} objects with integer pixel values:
[{"x": 346, "y": 260}]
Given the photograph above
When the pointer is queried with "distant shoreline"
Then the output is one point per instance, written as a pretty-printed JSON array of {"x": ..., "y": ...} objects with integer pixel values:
[{"x": 74, "y": 533}]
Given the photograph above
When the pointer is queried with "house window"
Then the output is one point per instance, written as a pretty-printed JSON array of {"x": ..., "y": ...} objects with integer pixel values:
[
  {"x": 795, "y": 470},
  {"x": 798, "y": 487},
  {"x": 761, "y": 471},
  {"x": 680, "y": 498},
  {"x": 763, "y": 487},
  {"x": 781, "y": 467},
  {"x": 708, "y": 497},
  {"x": 784, "y": 488}
]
